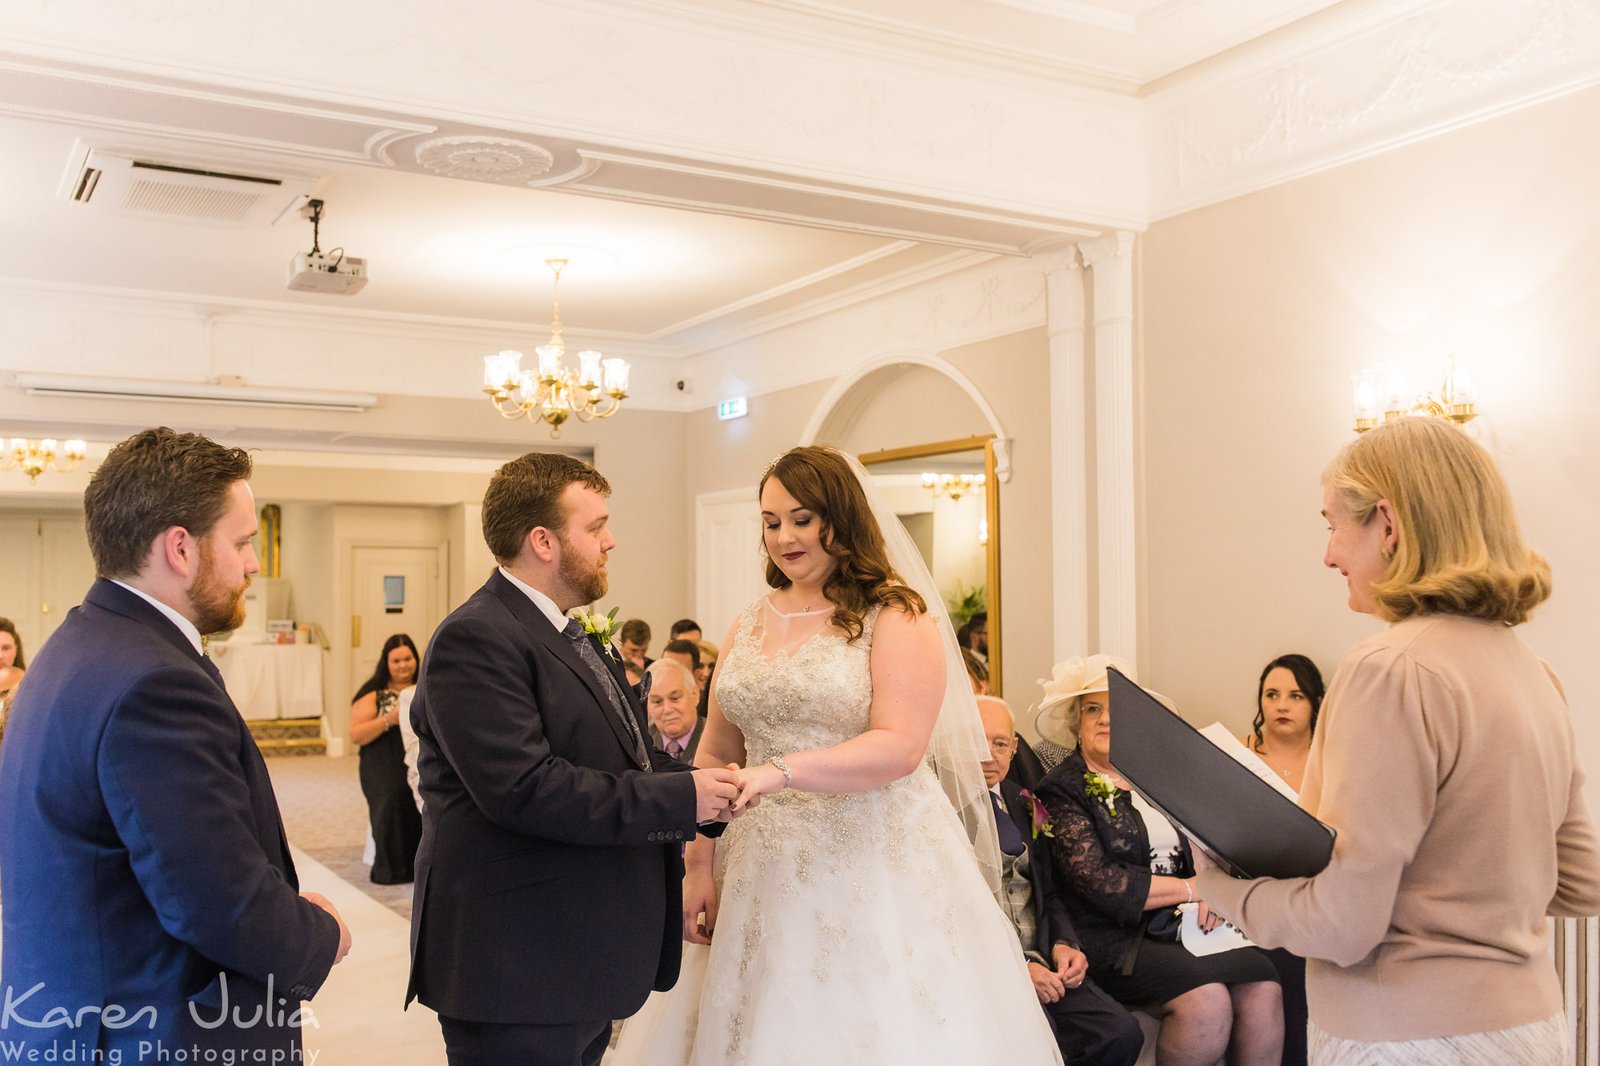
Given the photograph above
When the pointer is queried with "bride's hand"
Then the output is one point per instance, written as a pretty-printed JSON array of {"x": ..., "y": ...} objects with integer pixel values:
[
  {"x": 754, "y": 782},
  {"x": 699, "y": 898}
]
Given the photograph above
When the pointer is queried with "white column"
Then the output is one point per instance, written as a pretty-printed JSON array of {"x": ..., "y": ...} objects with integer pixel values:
[
  {"x": 1111, "y": 259},
  {"x": 1069, "y": 454}
]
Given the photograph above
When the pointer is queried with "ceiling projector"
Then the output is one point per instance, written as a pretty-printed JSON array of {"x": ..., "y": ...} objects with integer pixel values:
[{"x": 341, "y": 275}]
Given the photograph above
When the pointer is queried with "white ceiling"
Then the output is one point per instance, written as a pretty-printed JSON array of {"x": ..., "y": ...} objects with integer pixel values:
[
  {"x": 760, "y": 249},
  {"x": 1110, "y": 43}
]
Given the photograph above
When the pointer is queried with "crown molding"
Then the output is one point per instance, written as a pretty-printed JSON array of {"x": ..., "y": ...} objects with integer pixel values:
[
  {"x": 1376, "y": 80},
  {"x": 990, "y": 299}
]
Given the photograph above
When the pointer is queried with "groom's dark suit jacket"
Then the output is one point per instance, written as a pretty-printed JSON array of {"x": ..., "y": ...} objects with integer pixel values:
[
  {"x": 549, "y": 880},
  {"x": 141, "y": 854}
]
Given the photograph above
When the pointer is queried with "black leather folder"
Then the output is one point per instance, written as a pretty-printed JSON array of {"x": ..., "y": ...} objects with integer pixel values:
[{"x": 1245, "y": 825}]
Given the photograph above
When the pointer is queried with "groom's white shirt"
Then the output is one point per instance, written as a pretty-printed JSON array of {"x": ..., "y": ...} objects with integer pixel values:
[{"x": 546, "y": 605}]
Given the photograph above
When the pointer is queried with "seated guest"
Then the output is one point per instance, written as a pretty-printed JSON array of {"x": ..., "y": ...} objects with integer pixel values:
[
  {"x": 1288, "y": 701},
  {"x": 686, "y": 652},
  {"x": 633, "y": 640},
  {"x": 976, "y": 639},
  {"x": 977, "y": 670},
  {"x": 684, "y": 629},
  {"x": 708, "y": 666},
  {"x": 11, "y": 667},
  {"x": 1091, "y": 1027},
  {"x": 674, "y": 726},
  {"x": 12, "y": 662},
  {"x": 1122, "y": 868}
]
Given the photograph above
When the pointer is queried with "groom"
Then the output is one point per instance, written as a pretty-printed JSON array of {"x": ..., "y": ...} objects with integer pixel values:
[{"x": 549, "y": 876}]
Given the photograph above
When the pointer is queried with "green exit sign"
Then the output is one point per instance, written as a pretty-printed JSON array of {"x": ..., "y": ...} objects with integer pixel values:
[{"x": 737, "y": 407}]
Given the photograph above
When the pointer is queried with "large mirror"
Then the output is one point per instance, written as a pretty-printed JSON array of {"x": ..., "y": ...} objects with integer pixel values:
[{"x": 947, "y": 495}]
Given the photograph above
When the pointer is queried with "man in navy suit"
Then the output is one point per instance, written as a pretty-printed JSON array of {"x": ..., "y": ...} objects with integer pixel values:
[
  {"x": 1091, "y": 1028},
  {"x": 151, "y": 906},
  {"x": 548, "y": 891}
]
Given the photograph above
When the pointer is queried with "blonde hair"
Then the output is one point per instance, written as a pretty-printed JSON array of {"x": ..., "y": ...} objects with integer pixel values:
[{"x": 1458, "y": 548}]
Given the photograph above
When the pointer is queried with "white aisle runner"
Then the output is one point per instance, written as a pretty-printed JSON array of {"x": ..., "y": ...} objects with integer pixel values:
[{"x": 358, "y": 1009}]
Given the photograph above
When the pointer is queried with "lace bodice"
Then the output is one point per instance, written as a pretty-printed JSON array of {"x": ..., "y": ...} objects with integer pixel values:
[{"x": 815, "y": 696}]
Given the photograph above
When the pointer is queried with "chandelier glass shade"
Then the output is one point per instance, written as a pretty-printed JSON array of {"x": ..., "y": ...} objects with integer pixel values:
[
  {"x": 954, "y": 486},
  {"x": 1382, "y": 393},
  {"x": 555, "y": 392},
  {"x": 35, "y": 457}
]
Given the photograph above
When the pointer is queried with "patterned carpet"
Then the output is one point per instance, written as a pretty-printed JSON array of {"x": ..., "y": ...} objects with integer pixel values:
[{"x": 325, "y": 816}]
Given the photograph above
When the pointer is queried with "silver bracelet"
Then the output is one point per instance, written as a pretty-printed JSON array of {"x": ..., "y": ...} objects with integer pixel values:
[{"x": 788, "y": 774}]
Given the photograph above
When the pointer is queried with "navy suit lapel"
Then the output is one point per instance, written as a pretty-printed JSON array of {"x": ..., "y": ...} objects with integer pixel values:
[
  {"x": 110, "y": 596},
  {"x": 545, "y": 634}
]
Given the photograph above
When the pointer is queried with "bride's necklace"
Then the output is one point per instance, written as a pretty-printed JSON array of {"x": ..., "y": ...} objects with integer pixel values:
[{"x": 819, "y": 605}]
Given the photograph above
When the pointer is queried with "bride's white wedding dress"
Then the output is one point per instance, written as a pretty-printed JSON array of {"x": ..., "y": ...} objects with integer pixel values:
[{"x": 853, "y": 928}]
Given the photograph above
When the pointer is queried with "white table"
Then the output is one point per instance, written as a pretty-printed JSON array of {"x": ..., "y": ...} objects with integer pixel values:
[{"x": 269, "y": 681}]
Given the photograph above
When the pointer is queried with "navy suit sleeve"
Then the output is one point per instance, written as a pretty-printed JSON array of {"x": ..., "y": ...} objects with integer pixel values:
[
  {"x": 168, "y": 765},
  {"x": 484, "y": 717}
]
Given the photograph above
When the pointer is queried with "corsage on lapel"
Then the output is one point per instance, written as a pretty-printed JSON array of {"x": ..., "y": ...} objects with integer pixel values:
[
  {"x": 599, "y": 627},
  {"x": 1103, "y": 789},
  {"x": 1038, "y": 816}
]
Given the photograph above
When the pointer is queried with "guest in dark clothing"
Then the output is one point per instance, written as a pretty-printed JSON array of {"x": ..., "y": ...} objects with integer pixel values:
[
  {"x": 1091, "y": 1027},
  {"x": 1123, "y": 869},
  {"x": 374, "y": 715}
]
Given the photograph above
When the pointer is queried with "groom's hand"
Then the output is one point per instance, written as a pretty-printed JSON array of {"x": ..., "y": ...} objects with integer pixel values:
[{"x": 714, "y": 790}]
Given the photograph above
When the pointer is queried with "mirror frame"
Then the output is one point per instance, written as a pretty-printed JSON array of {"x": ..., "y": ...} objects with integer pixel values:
[{"x": 991, "y": 503}]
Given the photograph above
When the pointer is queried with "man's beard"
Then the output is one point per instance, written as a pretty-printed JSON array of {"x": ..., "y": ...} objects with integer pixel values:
[
  {"x": 216, "y": 606},
  {"x": 587, "y": 582}
]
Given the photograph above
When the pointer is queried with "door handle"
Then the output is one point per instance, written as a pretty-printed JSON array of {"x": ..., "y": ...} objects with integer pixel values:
[{"x": 355, "y": 631}]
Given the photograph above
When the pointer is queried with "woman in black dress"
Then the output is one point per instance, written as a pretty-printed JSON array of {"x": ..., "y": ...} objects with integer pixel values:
[
  {"x": 1124, "y": 869},
  {"x": 396, "y": 825}
]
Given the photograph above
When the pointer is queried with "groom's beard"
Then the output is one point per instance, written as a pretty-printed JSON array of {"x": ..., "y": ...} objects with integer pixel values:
[
  {"x": 586, "y": 580},
  {"x": 216, "y": 606}
]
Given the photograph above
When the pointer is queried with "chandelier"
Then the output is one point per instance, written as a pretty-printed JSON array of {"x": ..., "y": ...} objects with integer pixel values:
[
  {"x": 1383, "y": 391},
  {"x": 954, "y": 486},
  {"x": 34, "y": 457},
  {"x": 555, "y": 392}
]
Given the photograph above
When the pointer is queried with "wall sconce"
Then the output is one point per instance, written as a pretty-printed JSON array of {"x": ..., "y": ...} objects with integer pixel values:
[{"x": 1384, "y": 392}]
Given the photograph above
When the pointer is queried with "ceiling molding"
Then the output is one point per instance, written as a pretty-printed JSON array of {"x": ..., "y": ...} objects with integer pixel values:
[
  {"x": 991, "y": 299},
  {"x": 1272, "y": 114}
]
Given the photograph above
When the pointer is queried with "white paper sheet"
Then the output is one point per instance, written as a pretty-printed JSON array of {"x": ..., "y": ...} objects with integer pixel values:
[
  {"x": 1218, "y": 734},
  {"x": 1224, "y": 937}
]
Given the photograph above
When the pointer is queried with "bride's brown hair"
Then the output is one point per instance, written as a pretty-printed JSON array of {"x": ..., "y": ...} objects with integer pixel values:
[{"x": 822, "y": 482}]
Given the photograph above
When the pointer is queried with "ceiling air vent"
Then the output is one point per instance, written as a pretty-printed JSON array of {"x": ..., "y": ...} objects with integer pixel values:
[{"x": 158, "y": 189}]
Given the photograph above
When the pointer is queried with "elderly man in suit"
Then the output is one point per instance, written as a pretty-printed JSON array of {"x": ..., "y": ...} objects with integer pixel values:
[
  {"x": 1091, "y": 1027},
  {"x": 550, "y": 873},
  {"x": 150, "y": 901},
  {"x": 675, "y": 723}
]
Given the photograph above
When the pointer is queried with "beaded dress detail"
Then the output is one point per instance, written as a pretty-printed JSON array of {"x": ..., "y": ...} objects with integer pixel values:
[{"x": 852, "y": 928}]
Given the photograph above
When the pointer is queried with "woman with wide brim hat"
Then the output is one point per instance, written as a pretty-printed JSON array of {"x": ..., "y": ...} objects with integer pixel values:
[{"x": 1124, "y": 868}]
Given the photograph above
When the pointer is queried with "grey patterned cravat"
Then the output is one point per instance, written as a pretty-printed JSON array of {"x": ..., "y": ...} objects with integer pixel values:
[{"x": 591, "y": 658}]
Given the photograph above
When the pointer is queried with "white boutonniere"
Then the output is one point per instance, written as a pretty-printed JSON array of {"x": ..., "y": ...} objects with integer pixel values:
[
  {"x": 1102, "y": 788},
  {"x": 600, "y": 627}
]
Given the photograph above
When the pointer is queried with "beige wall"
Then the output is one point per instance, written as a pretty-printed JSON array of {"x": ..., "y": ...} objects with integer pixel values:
[
  {"x": 917, "y": 408},
  {"x": 1255, "y": 314}
]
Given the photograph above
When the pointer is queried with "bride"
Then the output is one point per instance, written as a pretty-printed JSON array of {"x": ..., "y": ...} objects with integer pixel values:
[{"x": 847, "y": 913}]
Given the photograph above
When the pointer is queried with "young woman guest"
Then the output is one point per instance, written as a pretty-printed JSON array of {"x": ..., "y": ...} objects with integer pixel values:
[{"x": 374, "y": 722}]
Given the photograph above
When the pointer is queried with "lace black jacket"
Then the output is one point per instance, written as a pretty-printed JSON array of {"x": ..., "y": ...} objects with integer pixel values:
[{"x": 1102, "y": 865}]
